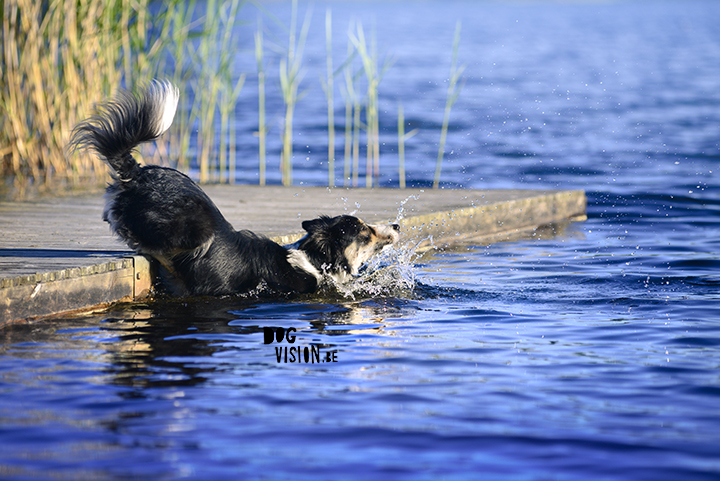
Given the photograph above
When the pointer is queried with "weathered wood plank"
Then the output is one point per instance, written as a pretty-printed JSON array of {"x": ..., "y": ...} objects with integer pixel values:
[{"x": 58, "y": 255}]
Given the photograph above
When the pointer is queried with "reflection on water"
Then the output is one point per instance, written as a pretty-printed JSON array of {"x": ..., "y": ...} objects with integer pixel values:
[{"x": 536, "y": 350}]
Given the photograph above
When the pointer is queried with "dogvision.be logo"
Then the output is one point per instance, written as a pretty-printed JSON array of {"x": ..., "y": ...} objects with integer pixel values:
[{"x": 311, "y": 354}]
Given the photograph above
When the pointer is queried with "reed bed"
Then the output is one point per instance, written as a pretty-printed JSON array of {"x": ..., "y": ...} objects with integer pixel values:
[
  {"x": 368, "y": 55},
  {"x": 60, "y": 58},
  {"x": 46, "y": 87}
]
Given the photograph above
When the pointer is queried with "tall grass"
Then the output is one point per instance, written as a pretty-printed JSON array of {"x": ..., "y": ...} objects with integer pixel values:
[
  {"x": 290, "y": 77},
  {"x": 353, "y": 108},
  {"x": 368, "y": 56},
  {"x": 60, "y": 58},
  {"x": 262, "y": 125},
  {"x": 373, "y": 77},
  {"x": 348, "y": 95},
  {"x": 218, "y": 92},
  {"x": 330, "y": 96},
  {"x": 402, "y": 137},
  {"x": 46, "y": 85},
  {"x": 453, "y": 91}
]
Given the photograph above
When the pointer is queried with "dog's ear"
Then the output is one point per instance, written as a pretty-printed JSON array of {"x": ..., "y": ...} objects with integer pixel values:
[
  {"x": 318, "y": 235},
  {"x": 316, "y": 225}
]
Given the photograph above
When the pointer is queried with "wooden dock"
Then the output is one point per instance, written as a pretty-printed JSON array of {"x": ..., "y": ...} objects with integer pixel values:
[{"x": 57, "y": 255}]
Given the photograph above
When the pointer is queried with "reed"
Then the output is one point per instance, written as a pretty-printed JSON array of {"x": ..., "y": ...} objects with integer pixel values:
[
  {"x": 47, "y": 86},
  {"x": 353, "y": 109},
  {"x": 347, "y": 171},
  {"x": 369, "y": 61},
  {"x": 212, "y": 60},
  {"x": 357, "y": 110},
  {"x": 229, "y": 93},
  {"x": 290, "y": 77},
  {"x": 329, "y": 94},
  {"x": 262, "y": 125},
  {"x": 62, "y": 57},
  {"x": 373, "y": 76},
  {"x": 402, "y": 137},
  {"x": 453, "y": 92}
]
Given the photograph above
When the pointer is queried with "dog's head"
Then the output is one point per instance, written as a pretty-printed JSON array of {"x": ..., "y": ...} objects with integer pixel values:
[{"x": 340, "y": 245}]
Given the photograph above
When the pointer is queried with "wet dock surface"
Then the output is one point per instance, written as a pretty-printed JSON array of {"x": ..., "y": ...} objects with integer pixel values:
[{"x": 58, "y": 255}]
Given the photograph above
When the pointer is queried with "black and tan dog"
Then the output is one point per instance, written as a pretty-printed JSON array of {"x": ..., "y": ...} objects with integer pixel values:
[{"x": 163, "y": 214}]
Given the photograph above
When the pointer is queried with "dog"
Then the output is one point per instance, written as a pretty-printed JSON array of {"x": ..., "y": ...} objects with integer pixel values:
[{"x": 162, "y": 213}]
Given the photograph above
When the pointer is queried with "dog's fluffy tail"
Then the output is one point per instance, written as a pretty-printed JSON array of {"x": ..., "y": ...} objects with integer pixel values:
[{"x": 125, "y": 122}]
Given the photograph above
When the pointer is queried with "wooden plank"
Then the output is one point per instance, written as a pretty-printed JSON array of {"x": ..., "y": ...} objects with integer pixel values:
[
  {"x": 57, "y": 255},
  {"x": 67, "y": 290}
]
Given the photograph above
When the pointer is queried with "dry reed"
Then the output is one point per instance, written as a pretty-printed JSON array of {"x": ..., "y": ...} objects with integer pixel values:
[
  {"x": 47, "y": 85},
  {"x": 60, "y": 58}
]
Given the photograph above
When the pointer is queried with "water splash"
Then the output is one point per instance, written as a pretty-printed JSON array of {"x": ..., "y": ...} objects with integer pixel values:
[
  {"x": 401, "y": 210},
  {"x": 391, "y": 273}
]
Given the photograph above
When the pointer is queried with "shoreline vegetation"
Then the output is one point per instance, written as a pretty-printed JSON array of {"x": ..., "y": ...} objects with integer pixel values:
[{"x": 61, "y": 58}]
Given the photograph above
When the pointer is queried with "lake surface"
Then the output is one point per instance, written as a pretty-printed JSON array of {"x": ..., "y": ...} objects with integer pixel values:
[{"x": 587, "y": 351}]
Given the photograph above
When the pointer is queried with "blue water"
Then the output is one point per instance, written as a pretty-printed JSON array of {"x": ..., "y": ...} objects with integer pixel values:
[{"x": 586, "y": 351}]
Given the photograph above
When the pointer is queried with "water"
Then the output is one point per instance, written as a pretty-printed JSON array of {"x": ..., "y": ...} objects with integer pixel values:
[{"x": 586, "y": 351}]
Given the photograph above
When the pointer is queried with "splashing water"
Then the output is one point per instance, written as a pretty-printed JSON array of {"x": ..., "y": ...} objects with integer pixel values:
[
  {"x": 391, "y": 273},
  {"x": 401, "y": 210}
]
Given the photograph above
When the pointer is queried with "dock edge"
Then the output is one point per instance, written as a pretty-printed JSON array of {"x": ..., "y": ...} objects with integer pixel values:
[{"x": 131, "y": 278}]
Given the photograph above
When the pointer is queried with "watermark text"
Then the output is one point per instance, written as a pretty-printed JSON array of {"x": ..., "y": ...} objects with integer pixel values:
[{"x": 311, "y": 354}]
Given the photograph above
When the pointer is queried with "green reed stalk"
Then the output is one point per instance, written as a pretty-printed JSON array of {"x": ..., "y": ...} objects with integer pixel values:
[
  {"x": 452, "y": 94},
  {"x": 213, "y": 61},
  {"x": 229, "y": 94},
  {"x": 47, "y": 85},
  {"x": 210, "y": 88},
  {"x": 369, "y": 61},
  {"x": 206, "y": 132},
  {"x": 402, "y": 137},
  {"x": 262, "y": 125},
  {"x": 290, "y": 77},
  {"x": 349, "y": 97},
  {"x": 401, "y": 146},
  {"x": 373, "y": 76},
  {"x": 176, "y": 15},
  {"x": 357, "y": 109},
  {"x": 348, "y": 140},
  {"x": 329, "y": 91},
  {"x": 351, "y": 103},
  {"x": 127, "y": 50},
  {"x": 228, "y": 99}
]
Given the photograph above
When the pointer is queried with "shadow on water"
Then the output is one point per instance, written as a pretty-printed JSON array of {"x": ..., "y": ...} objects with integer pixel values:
[{"x": 184, "y": 342}]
